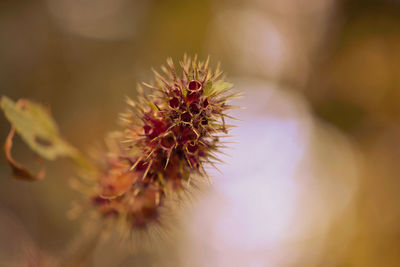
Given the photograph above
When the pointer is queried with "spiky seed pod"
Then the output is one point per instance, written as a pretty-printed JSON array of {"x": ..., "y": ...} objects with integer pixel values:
[{"x": 169, "y": 135}]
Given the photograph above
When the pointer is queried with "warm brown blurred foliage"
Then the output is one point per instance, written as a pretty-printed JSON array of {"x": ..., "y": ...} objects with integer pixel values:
[{"x": 342, "y": 57}]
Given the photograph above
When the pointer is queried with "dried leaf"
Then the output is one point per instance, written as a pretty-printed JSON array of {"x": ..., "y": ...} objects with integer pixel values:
[
  {"x": 116, "y": 185},
  {"x": 18, "y": 170}
]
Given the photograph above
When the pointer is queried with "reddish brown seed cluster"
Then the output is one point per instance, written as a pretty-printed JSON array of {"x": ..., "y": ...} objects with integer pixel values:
[{"x": 169, "y": 134}]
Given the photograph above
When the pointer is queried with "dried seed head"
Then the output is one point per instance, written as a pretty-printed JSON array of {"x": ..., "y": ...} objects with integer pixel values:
[{"x": 169, "y": 135}]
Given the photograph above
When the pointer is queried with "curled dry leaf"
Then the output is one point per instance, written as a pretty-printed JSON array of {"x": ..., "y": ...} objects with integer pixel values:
[
  {"x": 115, "y": 185},
  {"x": 18, "y": 170}
]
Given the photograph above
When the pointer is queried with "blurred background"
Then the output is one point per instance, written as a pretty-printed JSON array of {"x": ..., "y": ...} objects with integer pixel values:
[{"x": 313, "y": 179}]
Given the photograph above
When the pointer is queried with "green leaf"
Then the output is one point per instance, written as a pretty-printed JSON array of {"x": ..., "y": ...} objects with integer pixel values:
[
  {"x": 37, "y": 128},
  {"x": 218, "y": 87},
  {"x": 207, "y": 88}
]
